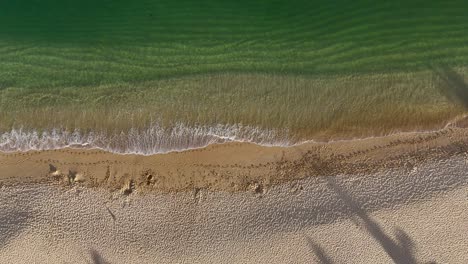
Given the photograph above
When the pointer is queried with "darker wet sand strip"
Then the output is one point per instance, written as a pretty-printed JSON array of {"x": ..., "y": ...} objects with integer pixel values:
[{"x": 230, "y": 166}]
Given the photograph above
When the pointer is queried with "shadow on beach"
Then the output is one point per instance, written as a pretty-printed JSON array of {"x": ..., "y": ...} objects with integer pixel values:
[
  {"x": 451, "y": 84},
  {"x": 11, "y": 224},
  {"x": 319, "y": 252},
  {"x": 96, "y": 258},
  {"x": 400, "y": 249}
]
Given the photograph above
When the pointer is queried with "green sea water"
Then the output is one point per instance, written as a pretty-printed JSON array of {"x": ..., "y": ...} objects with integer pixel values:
[{"x": 303, "y": 69}]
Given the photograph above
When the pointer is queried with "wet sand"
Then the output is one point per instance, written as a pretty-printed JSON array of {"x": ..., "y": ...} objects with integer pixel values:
[{"x": 231, "y": 166}]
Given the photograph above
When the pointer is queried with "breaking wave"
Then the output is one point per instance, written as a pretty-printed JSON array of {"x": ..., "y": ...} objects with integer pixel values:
[{"x": 152, "y": 140}]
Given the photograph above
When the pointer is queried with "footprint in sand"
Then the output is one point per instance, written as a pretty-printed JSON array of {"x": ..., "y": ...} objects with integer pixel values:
[{"x": 53, "y": 171}]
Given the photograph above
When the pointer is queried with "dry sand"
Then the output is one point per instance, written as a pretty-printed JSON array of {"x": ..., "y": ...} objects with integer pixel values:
[{"x": 402, "y": 198}]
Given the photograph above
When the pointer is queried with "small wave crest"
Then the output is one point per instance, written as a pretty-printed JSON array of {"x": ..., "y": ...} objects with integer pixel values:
[{"x": 152, "y": 140}]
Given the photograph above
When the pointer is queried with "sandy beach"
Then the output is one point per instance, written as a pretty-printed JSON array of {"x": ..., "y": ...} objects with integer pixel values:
[
  {"x": 399, "y": 198},
  {"x": 408, "y": 217}
]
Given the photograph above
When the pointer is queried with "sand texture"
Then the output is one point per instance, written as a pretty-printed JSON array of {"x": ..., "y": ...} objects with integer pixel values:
[{"x": 393, "y": 216}]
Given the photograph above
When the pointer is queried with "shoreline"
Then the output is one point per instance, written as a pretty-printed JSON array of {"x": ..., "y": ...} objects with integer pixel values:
[
  {"x": 459, "y": 121},
  {"x": 232, "y": 166},
  {"x": 263, "y": 108},
  {"x": 223, "y": 139}
]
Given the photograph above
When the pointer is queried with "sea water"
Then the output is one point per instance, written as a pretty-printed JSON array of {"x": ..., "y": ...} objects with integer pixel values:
[{"x": 155, "y": 76}]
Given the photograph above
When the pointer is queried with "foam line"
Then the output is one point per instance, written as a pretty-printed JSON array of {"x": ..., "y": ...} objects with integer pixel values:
[{"x": 153, "y": 140}]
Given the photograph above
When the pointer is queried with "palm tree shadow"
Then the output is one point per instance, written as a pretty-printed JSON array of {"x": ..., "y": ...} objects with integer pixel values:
[
  {"x": 97, "y": 258},
  {"x": 400, "y": 249},
  {"x": 11, "y": 224},
  {"x": 451, "y": 84},
  {"x": 318, "y": 252}
]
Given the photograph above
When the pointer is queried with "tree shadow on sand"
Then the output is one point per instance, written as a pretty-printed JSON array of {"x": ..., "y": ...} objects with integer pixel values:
[
  {"x": 96, "y": 258},
  {"x": 451, "y": 84},
  {"x": 11, "y": 224},
  {"x": 319, "y": 252},
  {"x": 400, "y": 249}
]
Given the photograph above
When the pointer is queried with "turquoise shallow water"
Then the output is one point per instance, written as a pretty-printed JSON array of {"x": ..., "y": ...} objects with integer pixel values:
[{"x": 309, "y": 68}]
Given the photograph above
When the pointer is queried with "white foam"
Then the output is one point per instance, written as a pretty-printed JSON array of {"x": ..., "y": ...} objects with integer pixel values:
[{"x": 152, "y": 140}]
